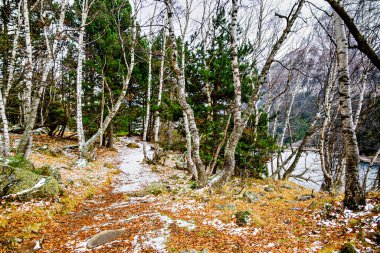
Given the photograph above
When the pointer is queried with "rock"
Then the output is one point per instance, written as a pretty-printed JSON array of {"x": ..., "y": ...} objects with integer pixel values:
[
  {"x": 269, "y": 188},
  {"x": 250, "y": 197},
  {"x": 133, "y": 145},
  {"x": 70, "y": 147},
  {"x": 104, "y": 237},
  {"x": 286, "y": 186},
  {"x": 41, "y": 130},
  {"x": 227, "y": 207},
  {"x": 20, "y": 180},
  {"x": 304, "y": 197},
  {"x": 180, "y": 165},
  {"x": 156, "y": 188},
  {"x": 46, "y": 170},
  {"x": 20, "y": 162},
  {"x": 349, "y": 248},
  {"x": 296, "y": 208},
  {"x": 16, "y": 240},
  {"x": 81, "y": 163},
  {"x": 6, "y": 176},
  {"x": 242, "y": 218}
]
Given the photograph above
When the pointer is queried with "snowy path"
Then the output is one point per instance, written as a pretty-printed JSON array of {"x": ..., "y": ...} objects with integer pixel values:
[{"x": 135, "y": 175}]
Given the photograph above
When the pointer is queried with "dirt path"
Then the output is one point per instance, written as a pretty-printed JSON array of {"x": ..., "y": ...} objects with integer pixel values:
[{"x": 146, "y": 227}]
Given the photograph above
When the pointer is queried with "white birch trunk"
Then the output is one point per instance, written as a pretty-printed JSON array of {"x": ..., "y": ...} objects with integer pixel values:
[
  {"x": 190, "y": 162},
  {"x": 29, "y": 65},
  {"x": 148, "y": 97},
  {"x": 354, "y": 196},
  {"x": 5, "y": 126},
  {"x": 202, "y": 177},
  {"x": 160, "y": 87},
  {"x": 328, "y": 177},
  {"x": 24, "y": 147},
  {"x": 80, "y": 131}
]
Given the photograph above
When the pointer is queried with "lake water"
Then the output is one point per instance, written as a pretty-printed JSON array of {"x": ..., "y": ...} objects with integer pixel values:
[{"x": 310, "y": 160}]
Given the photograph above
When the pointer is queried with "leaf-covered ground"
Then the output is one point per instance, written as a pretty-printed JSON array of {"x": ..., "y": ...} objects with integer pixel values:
[{"x": 170, "y": 216}]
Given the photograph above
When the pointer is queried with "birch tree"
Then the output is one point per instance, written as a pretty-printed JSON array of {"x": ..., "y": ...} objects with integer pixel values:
[
  {"x": 353, "y": 195},
  {"x": 86, "y": 5},
  {"x": 157, "y": 121},
  {"x": 148, "y": 98},
  {"x": 202, "y": 176}
]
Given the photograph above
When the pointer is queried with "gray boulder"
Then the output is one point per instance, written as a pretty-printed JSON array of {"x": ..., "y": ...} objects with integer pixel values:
[
  {"x": 104, "y": 237},
  {"x": 269, "y": 188},
  {"x": 226, "y": 207},
  {"x": 250, "y": 197},
  {"x": 305, "y": 197}
]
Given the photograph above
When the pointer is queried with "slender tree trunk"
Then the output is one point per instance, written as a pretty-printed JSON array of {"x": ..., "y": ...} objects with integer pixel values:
[
  {"x": 229, "y": 153},
  {"x": 26, "y": 140},
  {"x": 354, "y": 196},
  {"x": 160, "y": 87},
  {"x": 190, "y": 163},
  {"x": 202, "y": 177},
  {"x": 147, "y": 116},
  {"x": 80, "y": 131},
  {"x": 31, "y": 109},
  {"x": 110, "y": 136},
  {"x": 102, "y": 114},
  {"x": 5, "y": 126},
  {"x": 29, "y": 64},
  {"x": 327, "y": 184},
  {"x": 361, "y": 99}
]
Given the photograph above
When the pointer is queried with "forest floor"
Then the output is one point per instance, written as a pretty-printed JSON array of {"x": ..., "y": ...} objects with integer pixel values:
[{"x": 154, "y": 209}]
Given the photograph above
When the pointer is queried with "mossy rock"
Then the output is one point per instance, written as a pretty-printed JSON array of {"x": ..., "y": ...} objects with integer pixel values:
[
  {"x": 20, "y": 162},
  {"x": 156, "y": 188},
  {"x": 21, "y": 180},
  {"x": 46, "y": 170},
  {"x": 133, "y": 145},
  {"x": 6, "y": 177}
]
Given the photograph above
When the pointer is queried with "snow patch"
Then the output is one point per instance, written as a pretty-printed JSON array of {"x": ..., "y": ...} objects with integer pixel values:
[{"x": 134, "y": 174}]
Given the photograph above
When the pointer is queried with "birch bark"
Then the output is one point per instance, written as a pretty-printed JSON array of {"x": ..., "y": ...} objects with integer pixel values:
[
  {"x": 354, "y": 196},
  {"x": 202, "y": 177},
  {"x": 26, "y": 141},
  {"x": 160, "y": 87},
  {"x": 80, "y": 131},
  {"x": 147, "y": 116}
]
